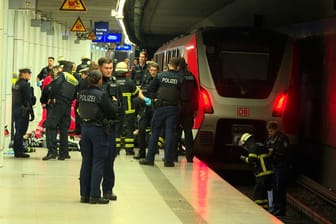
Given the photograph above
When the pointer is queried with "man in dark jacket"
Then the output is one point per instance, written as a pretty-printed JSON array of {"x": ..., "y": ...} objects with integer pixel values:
[
  {"x": 62, "y": 92},
  {"x": 278, "y": 144}
]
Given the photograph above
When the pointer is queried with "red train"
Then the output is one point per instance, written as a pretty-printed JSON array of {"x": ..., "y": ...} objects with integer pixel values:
[{"x": 246, "y": 77}]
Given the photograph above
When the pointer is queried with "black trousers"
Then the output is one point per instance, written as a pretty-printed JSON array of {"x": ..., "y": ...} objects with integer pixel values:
[
  {"x": 58, "y": 117},
  {"x": 21, "y": 126}
]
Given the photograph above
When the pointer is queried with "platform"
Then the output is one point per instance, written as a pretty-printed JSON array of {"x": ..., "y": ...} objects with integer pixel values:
[{"x": 33, "y": 191}]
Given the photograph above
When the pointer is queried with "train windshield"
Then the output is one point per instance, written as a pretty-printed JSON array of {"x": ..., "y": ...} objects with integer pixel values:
[{"x": 244, "y": 64}]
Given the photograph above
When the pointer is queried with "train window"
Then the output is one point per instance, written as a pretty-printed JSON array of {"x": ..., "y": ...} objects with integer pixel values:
[
  {"x": 243, "y": 64},
  {"x": 255, "y": 65}
]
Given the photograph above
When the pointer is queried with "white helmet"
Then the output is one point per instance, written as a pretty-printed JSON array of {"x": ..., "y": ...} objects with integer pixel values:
[{"x": 244, "y": 138}]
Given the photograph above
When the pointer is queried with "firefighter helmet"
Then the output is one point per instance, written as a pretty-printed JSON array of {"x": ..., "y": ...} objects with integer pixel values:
[{"x": 244, "y": 138}]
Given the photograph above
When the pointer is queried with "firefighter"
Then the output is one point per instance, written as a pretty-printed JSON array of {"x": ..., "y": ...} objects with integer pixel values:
[
  {"x": 128, "y": 91},
  {"x": 62, "y": 92},
  {"x": 259, "y": 158},
  {"x": 22, "y": 110},
  {"x": 94, "y": 108}
]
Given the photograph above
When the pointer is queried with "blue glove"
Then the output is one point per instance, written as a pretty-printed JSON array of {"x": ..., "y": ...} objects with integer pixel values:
[
  {"x": 148, "y": 101},
  {"x": 38, "y": 83}
]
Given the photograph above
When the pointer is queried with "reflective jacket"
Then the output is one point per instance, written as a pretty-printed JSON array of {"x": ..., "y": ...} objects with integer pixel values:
[{"x": 258, "y": 157}]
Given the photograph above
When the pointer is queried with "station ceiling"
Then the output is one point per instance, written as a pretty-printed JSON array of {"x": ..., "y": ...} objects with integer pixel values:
[{"x": 150, "y": 23}]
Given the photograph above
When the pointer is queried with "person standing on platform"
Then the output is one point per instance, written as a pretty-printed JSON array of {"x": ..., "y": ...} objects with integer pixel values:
[
  {"x": 167, "y": 86},
  {"x": 109, "y": 86},
  {"x": 129, "y": 91},
  {"x": 259, "y": 158},
  {"x": 85, "y": 63},
  {"x": 95, "y": 107},
  {"x": 45, "y": 72},
  {"x": 22, "y": 110},
  {"x": 278, "y": 144},
  {"x": 140, "y": 69},
  {"x": 62, "y": 92},
  {"x": 188, "y": 108},
  {"x": 146, "y": 112}
]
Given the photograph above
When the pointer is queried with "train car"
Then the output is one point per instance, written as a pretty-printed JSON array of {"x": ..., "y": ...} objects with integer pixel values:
[{"x": 246, "y": 77}]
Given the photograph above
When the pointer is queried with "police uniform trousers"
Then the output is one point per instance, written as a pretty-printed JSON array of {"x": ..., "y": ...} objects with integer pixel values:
[
  {"x": 144, "y": 128},
  {"x": 108, "y": 176},
  {"x": 186, "y": 122},
  {"x": 94, "y": 146},
  {"x": 263, "y": 184},
  {"x": 21, "y": 125},
  {"x": 165, "y": 116},
  {"x": 58, "y": 116},
  {"x": 279, "y": 189}
]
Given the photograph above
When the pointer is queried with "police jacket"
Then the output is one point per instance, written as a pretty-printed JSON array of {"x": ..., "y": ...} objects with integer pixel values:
[
  {"x": 138, "y": 73},
  {"x": 83, "y": 84},
  {"x": 167, "y": 87},
  {"x": 280, "y": 145},
  {"x": 145, "y": 83},
  {"x": 189, "y": 93},
  {"x": 258, "y": 157},
  {"x": 128, "y": 91},
  {"x": 22, "y": 94},
  {"x": 94, "y": 105},
  {"x": 44, "y": 72},
  {"x": 64, "y": 87}
]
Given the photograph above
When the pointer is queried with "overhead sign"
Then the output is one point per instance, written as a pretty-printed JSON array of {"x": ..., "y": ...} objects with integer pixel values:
[
  {"x": 101, "y": 28},
  {"x": 78, "y": 26},
  {"x": 109, "y": 38},
  {"x": 124, "y": 47},
  {"x": 73, "y": 5}
]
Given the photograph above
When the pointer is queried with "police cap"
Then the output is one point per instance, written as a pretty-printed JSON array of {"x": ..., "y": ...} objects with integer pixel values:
[
  {"x": 121, "y": 67},
  {"x": 84, "y": 69},
  {"x": 25, "y": 70}
]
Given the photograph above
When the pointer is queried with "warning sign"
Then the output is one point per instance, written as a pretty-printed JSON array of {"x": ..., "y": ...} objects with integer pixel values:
[
  {"x": 78, "y": 26},
  {"x": 73, "y": 5},
  {"x": 91, "y": 36}
]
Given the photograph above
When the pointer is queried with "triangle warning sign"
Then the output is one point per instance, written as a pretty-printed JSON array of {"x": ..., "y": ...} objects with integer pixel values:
[
  {"x": 91, "y": 36},
  {"x": 78, "y": 26},
  {"x": 73, "y": 5}
]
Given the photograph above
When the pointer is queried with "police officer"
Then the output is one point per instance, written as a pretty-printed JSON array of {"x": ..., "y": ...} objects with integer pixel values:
[
  {"x": 128, "y": 91},
  {"x": 45, "y": 71},
  {"x": 168, "y": 87},
  {"x": 109, "y": 86},
  {"x": 22, "y": 110},
  {"x": 278, "y": 144},
  {"x": 259, "y": 158},
  {"x": 94, "y": 108},
  {"x": 84, "y": 63},
  {"x": 188, "y": 108},
  {"x": 140, "y": 70},
  {"x": 62, "y": 92},
  {"x": 146, "y": 112}
]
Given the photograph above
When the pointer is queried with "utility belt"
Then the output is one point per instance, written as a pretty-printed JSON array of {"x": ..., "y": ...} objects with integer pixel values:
[
  {"x": 93, "y": 122},
  {"x": 162, "y": 103}
]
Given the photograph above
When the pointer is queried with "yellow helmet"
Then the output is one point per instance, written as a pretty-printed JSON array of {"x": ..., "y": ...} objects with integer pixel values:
[{"x": 244, "y": 138}]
